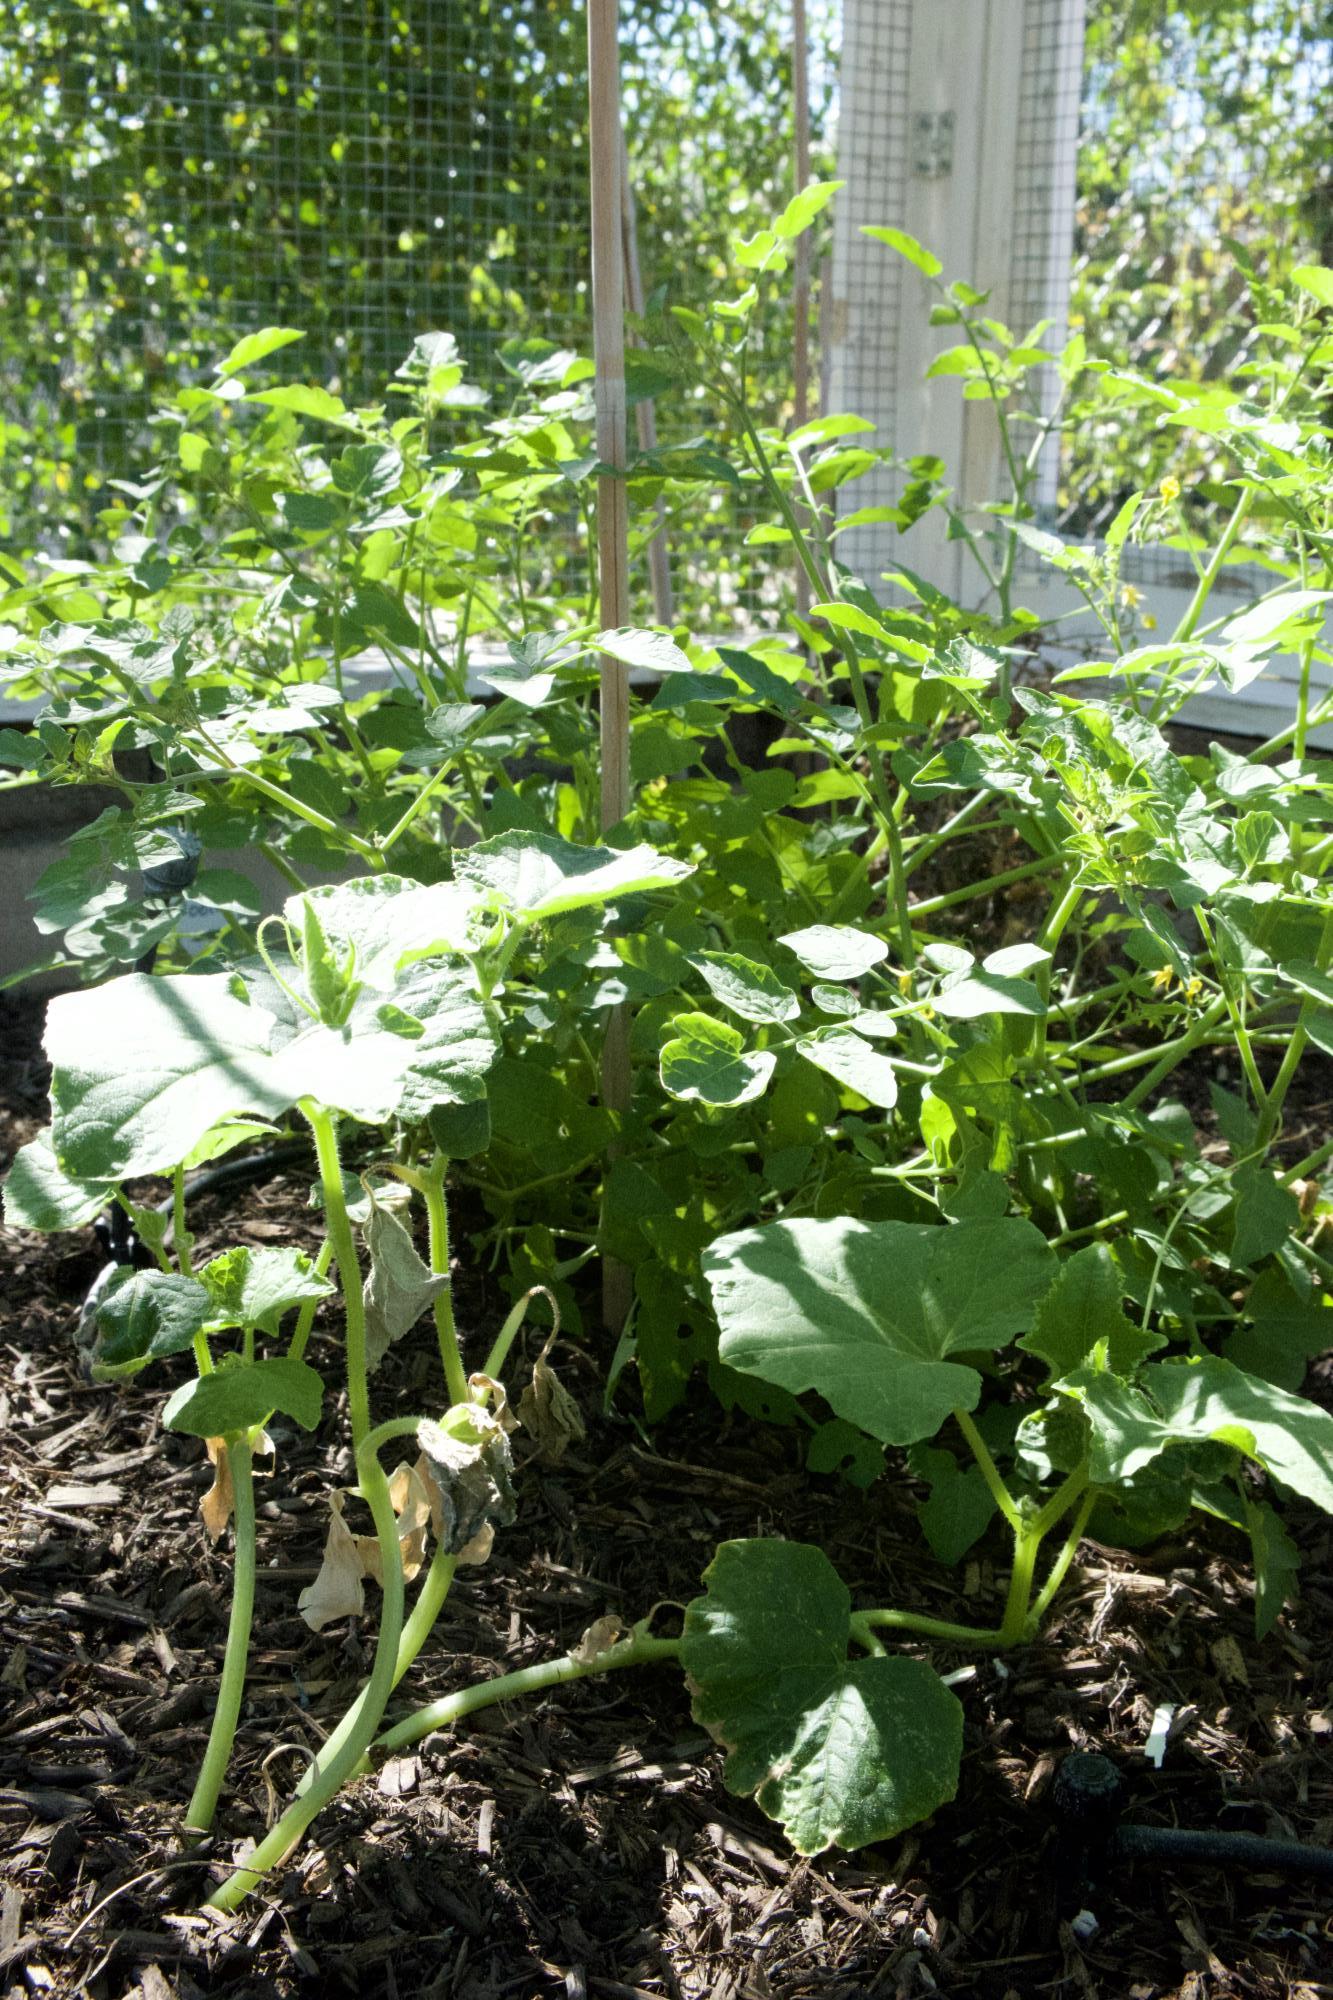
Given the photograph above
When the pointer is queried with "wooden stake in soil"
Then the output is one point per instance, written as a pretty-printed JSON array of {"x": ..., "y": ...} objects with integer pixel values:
[
  {"x": 605, "y": 155},
  {"x": 800, "y": 86},
  {"x": 645, "y": 416}
]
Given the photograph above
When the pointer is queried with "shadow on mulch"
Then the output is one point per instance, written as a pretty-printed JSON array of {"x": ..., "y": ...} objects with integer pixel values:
[{"x": 583, "y": 1843}]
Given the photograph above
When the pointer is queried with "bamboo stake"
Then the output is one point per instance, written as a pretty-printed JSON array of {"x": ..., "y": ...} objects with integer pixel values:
[
  {"x": 605, "y": 147},
  {"x": 608, "y": 331},
  {"x": 800, "y": 84},
  {"x": 645, "y": 415}
]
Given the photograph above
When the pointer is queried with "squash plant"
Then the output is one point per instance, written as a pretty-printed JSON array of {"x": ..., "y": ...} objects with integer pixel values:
[{"x": 904, "y": 1161}]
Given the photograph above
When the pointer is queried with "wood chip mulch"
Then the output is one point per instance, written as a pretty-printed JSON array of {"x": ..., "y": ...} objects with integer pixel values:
[{"x": 583, "y": 1844}]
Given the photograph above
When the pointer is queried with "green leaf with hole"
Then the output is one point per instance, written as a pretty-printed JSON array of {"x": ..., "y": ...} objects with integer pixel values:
[
  {"x": 868, "y": 1313},
  {"x": 706, "y": 1062},
  {"x": 840, "y": 1751},
  {"x": 237, "y": 1396}
]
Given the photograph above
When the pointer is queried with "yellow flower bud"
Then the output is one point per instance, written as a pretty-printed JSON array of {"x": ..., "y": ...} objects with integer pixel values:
[{"x": 1170, "y": 489}]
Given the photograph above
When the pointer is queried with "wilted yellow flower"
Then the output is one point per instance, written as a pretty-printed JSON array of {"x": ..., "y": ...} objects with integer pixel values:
[
  {"x": 1193, "y": 988},
  {"x": 1170, "y": 488}
]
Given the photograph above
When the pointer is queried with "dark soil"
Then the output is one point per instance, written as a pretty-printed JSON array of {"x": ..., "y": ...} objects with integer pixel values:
[{"x": 584, "y": 1844}]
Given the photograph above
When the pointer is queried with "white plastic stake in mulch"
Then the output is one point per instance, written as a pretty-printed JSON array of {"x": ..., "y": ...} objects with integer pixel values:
[
  {"x": 1158, "y": 1735},
  {"x": 606, "y": 154}
]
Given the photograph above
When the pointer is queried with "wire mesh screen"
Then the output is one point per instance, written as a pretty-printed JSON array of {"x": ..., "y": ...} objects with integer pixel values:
[
  {"x": 179, "y": 171},
  {"x": 1201, "y": 128},
  {"x": 176, "y": 172}
]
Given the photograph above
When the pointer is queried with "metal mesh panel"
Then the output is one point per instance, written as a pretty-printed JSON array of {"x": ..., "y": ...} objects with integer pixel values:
[
  {"x": 1045, "y": 180},
  {"x": 179, "y": 172},
  {"x": 192, "y": 170},
  {"x": 1238, "y": 101}
]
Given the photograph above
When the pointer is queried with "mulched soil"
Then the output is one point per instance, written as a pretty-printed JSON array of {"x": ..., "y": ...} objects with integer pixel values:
[{"x": 583, "y": 1843}]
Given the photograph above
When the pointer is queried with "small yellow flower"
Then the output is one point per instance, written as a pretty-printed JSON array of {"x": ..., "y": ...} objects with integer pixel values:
[
  {"x": 1149, "y": 622},
  {"x": 1193, "y": 988},
  {"x": 1161, "y": 979},
  {"x": 1130, "y": 596},
  {"x": 1170, "y": 489}
]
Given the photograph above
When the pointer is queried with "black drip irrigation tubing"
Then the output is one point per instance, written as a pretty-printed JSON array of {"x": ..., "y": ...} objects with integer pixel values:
[
  {"x": 1089, "y": 1793},
  {"x": 115, "y": 1232}
]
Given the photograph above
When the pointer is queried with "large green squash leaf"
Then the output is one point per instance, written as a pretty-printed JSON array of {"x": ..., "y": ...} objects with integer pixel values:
[
  {"x": 867, "y": 1313},
  {"x": 39, "y": 1194},
  {"x": 236, "y": 1398},
  {"x": 144, "y": 1068},
  {"x": 841, "y": 1751},
  {"x": 1206, "y": 1401},
  {"x": 537, "y": 876}
]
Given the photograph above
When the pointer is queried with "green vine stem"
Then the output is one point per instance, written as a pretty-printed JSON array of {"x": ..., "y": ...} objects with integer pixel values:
[
  {"x": 349, "y": 1269},
  {"x": 999, "y": 1492},
  {"x": 181, "y": 1239},
  {"x": 336, "y": 1764},
  {"x": 415, "y": 1632},
  {"x": 231, "y": 1687},
  {"x": 305, "y": 1319},
  {"x": 437, "y": 1215},
  {"x": 638, "y": 1649}
]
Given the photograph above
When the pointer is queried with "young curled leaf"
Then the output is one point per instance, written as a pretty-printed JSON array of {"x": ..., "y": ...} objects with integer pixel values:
[
  {"x": 549, "y": 1413},
  {"x": 467, "y": 1469}
]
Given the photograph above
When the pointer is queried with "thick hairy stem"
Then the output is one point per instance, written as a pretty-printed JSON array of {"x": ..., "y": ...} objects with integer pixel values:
[
  {"x": 231, "y": 1687},
  {"x": 640, "y": 1649},
  {"x": 999, "y": 1492},
  {"x": 437, "y": 1213},
  {"x": 430, "y": 1602},
  {"x": 333, "y": 1767}
]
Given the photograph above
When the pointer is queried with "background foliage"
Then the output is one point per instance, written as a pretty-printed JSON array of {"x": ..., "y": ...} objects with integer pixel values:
[{"x": 170, "y": 176}]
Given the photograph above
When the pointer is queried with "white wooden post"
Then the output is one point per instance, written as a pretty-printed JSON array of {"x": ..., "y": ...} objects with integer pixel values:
[{"x": 948, "y": 130}]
